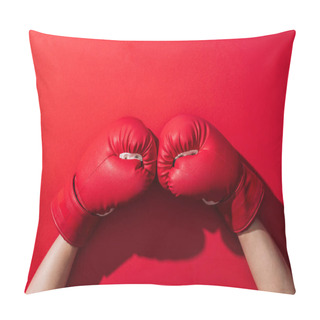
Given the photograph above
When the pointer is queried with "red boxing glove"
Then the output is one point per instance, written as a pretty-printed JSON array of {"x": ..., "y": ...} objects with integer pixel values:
[
  {"x": 118, "y": 166},
  {"x": 194, "y": 159}
]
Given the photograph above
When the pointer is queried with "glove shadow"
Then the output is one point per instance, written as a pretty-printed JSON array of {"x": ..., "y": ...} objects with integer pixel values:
[{"x": 156, "y": 226}]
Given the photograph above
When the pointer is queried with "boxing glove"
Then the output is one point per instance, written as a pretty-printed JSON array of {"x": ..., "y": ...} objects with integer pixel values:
[
  {"x": 119, "y": 165},
  {"x": 194, "y": 159}
]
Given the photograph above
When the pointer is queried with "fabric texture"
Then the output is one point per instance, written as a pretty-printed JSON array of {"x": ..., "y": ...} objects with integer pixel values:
[{"x": 238, "y": 85}]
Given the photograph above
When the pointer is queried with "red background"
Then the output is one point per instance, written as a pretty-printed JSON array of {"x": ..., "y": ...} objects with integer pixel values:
[{"x": 239, "y": 85}]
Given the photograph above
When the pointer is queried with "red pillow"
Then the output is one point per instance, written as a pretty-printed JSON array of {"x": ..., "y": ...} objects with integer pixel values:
[{"x": 238, "y": 85}]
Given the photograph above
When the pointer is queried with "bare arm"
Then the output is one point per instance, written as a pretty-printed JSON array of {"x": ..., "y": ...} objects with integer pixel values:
[
  {"x": 55, "y": 268},
  {"x": 268, "y": 267}
]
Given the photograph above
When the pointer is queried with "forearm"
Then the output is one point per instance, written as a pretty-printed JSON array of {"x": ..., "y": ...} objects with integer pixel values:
[
  {"x": 268, "y": 267},
  {"x": 55, "y": 268}
]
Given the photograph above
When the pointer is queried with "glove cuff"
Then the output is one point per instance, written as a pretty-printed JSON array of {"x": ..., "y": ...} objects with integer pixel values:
[
  {"x": 240, "y": 209},
  {"x": 74, "y": 223}
]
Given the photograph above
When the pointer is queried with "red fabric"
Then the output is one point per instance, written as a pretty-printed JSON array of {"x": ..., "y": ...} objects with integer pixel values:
[{"x": 238, "y": 85}]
